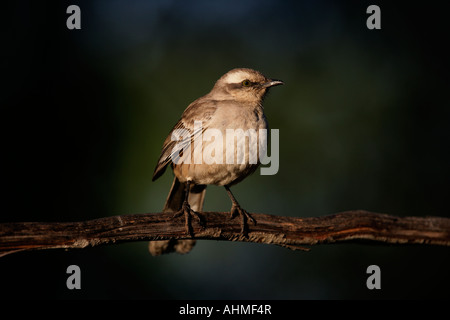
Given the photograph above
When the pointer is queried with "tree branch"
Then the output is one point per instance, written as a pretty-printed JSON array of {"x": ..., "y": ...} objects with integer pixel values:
[{"x": 291, "y": 232}]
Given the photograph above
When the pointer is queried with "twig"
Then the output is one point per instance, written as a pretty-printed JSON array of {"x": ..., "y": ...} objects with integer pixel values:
[{"x": 291, "y": 232}]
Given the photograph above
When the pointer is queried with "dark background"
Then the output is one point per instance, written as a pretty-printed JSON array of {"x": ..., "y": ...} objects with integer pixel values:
[{"x": 363, "y": 122}]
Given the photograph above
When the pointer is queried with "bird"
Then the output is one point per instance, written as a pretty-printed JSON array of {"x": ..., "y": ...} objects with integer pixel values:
[{"x": 234, "y": 103}]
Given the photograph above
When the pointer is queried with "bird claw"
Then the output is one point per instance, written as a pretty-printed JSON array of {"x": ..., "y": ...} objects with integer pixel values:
[
  {"x": 188, "y": 213},
  {"x": 235, "y": 210}
]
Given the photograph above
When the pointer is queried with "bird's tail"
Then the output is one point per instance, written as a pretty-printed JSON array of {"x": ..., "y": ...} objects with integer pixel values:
[{"x": 174, "y": 203}]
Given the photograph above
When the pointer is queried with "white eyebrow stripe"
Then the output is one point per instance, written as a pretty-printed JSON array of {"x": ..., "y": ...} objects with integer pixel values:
[{"x": 236, "y": 77}]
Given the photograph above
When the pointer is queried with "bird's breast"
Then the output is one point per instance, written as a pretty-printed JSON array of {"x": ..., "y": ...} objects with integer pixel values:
[{"x": 228, "y": 149}]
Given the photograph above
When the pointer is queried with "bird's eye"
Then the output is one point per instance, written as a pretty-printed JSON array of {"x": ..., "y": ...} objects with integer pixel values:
[{"x": 246, "y": 83}]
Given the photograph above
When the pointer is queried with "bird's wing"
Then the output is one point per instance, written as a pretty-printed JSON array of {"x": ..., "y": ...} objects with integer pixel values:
[
  {"x": 173, "y": 145},
  {"x": 171, "y": 148}
]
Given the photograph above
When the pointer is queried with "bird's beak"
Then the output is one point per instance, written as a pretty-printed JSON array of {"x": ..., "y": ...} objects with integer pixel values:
[{"x": 272, "y": 83}]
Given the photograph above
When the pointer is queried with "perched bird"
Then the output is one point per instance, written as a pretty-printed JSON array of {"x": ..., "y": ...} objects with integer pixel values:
[{"x": 235, "y": 102}]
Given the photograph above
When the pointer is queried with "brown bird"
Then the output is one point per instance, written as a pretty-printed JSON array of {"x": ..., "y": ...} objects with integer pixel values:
[{"x": 234, "y": 103}]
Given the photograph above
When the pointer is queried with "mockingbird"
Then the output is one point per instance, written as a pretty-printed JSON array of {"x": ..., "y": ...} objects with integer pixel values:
[{"x": 235, "y": 102}]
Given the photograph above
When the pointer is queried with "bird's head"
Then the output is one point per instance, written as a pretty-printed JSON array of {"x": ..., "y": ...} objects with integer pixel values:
[{"x": 245, "y": 85}]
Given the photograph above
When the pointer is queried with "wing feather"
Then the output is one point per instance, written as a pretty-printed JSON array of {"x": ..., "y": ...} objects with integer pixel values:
[{"x": 197, "y": 111}]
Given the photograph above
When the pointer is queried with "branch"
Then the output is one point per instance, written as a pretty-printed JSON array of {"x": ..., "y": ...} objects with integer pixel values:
[{"x": 291, "y": 232}]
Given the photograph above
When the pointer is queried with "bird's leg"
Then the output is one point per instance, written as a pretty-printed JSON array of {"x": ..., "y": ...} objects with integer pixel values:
[
  {"x": 188, "y": 212},
  {"x": 236, "y": 209}
]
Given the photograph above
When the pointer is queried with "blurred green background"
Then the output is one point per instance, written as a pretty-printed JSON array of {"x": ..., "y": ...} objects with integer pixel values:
[{"x": 363, "y": 122}]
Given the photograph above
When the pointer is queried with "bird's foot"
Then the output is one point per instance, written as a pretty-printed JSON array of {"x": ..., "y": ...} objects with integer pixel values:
[
  {"x": 235, "y": 210},
  {"x": 188, "y": 213}
]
